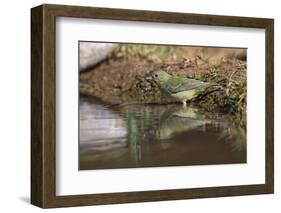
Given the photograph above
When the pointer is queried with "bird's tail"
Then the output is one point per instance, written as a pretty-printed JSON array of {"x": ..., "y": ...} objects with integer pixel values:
[{"x": 218, "y": 85}]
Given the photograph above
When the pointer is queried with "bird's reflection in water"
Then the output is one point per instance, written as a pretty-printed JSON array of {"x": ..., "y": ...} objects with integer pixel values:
[
  {"x": 155, "y": 135},
  {"x": 180, "y": 119}
]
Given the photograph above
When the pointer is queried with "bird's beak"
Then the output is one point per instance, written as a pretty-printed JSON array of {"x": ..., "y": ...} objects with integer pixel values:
[{"x": 148, "y": 78}]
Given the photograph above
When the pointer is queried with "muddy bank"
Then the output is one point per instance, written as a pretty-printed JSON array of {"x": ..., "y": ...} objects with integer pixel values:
[{"x": 122, "y": 80}]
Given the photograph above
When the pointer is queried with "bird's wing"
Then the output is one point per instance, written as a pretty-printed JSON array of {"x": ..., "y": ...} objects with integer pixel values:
[{"x": 178, "y": 84}]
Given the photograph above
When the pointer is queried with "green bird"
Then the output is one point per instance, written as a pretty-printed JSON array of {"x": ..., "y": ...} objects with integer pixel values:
[{"x": 182, "y": 88}]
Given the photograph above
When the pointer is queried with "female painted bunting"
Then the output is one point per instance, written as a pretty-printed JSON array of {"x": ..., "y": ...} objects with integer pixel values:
[{"x": 181, "y": 88}]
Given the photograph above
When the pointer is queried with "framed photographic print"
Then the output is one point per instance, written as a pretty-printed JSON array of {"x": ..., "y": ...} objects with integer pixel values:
[{"x": 135, "y": 106}]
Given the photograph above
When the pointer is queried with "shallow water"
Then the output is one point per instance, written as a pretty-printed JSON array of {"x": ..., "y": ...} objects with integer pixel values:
[{"x": 126, "y": 136}]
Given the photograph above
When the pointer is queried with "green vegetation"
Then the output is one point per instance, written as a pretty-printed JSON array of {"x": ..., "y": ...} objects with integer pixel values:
[{"x": 152, "y": 52}]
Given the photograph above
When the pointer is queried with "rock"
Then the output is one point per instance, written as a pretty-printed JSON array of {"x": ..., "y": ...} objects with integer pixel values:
[{"x": 91, "y": 53}]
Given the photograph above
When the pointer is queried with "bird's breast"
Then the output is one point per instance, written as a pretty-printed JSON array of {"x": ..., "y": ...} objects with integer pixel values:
[{"x": 185, "y": 95}]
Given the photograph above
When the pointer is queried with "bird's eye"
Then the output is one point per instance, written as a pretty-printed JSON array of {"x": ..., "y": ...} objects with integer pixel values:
[{"x": 155, "y": 75}]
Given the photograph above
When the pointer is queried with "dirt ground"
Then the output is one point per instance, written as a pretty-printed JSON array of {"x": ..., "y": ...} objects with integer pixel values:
[{"x": 121, "y": 80}]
